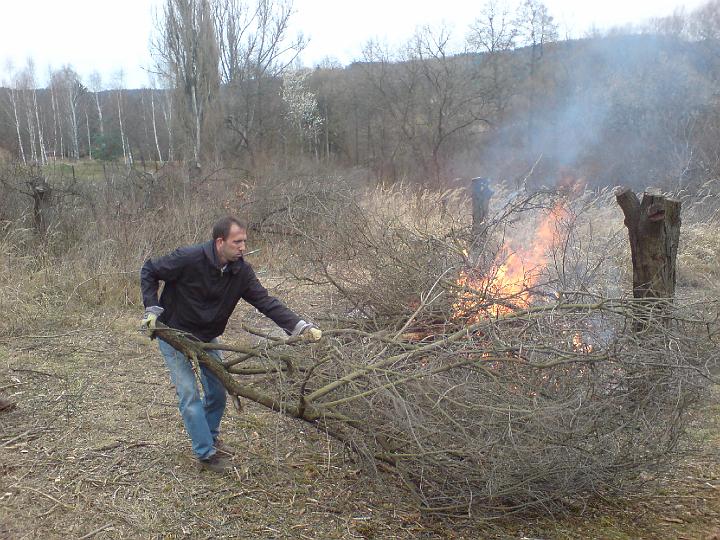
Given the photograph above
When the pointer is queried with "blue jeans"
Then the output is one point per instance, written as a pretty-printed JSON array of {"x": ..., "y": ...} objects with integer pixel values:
[{"x": 201, "y": 416}]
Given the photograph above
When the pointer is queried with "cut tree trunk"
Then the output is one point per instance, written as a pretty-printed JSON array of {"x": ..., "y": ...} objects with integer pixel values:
[{"x": 654, "y": 230}]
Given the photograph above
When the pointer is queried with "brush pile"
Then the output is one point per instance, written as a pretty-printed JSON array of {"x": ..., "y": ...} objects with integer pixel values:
[{"x": 553, "y": 399}]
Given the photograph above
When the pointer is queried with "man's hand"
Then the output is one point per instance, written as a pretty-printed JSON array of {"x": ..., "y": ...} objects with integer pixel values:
[
  {"x": 313, "y": 333},
  {"x": 308, "y": 331},
  {"x": 148, "y": 321}
]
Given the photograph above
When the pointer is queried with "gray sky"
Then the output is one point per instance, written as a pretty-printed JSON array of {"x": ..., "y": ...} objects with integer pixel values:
[{"x": 109, "y": 35}]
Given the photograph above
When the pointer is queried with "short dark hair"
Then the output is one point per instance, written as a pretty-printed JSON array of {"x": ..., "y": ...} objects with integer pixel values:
[{"x": 222, "y": 227}]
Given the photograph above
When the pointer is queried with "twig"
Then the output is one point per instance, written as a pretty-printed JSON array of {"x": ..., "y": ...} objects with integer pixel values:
[
  {"x": 16, "y": 438},
  {"x": 47, "y": 496},
  {"x": 98, "y": 530}
]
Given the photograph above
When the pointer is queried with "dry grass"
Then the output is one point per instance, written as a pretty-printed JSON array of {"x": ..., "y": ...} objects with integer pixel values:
[
  {"x": 699, "y": 257},
  {"x": 96, "y": 441}
]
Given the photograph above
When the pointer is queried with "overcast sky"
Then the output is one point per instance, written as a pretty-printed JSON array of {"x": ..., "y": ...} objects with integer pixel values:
[{"x": 109, "y": 35}]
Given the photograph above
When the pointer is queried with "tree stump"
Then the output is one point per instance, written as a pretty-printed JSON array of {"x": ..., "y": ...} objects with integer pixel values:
[
  {"x": 42, "y": 197},
  {"x": 654, "y": 231}
]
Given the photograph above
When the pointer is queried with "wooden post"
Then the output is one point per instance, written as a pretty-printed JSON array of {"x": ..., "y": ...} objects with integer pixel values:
[
  {"x": 481, "y": 194},
  {"x": 654, "y": 231}
]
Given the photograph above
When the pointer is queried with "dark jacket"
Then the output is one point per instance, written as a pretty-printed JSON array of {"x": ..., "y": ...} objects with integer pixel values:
[{"x": 199, "y": 296}]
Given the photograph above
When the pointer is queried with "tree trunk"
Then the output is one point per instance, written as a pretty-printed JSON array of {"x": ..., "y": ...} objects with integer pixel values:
[
  {"x": 56, "y": 127},
  {"x": 154, "y": 125},
  {"x": 126, "y": 157},
  {"x": 167, "y": 114},
  {"x": 87, "y": 126},
  {"x": 41, "y": 194},
  {"x": 13, "y": 100},
  {"x": 654, "y": 232},
  {"x": 41, "y": 138},
  {"x": 100, "y": 117}
]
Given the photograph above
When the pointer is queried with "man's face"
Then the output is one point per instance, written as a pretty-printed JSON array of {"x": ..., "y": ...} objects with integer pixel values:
[{"x": 230, "y": 249}]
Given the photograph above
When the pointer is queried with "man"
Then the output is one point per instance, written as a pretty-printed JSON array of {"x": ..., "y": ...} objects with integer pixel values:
[{"x": 203, "y": 284}]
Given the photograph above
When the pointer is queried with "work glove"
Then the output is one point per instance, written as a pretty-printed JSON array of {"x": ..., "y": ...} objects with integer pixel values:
[
  {"x": 307, "y": 330},
  {"x": 313, "y": 333},
  {"x": 147, "y": 324}
]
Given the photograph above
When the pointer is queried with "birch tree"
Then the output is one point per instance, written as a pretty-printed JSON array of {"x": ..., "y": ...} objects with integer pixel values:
[
  {"x": 57, "y": 126},
  {"x": 119, "y": 85},
  {"x": 68, "y": 92},
  {"x": 39, "y": 124},
  {"x": 27, "y": 84},
  {"x": 12, "y": 99},
  {"x": 167, "y": 110},
  {"x": 154, "y": 120},
  {"x": 97, "y": 87}
]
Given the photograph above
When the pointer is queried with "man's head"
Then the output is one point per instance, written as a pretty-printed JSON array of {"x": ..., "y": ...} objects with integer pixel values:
[{"x": 229, "y": 235}]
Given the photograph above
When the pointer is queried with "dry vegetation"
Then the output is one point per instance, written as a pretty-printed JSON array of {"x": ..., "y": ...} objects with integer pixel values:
[{"x": 504, "y": 424}]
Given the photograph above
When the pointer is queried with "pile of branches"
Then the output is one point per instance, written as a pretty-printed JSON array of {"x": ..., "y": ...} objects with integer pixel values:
[
  {"x": 540, "y": 406},
  {"x": 501, "y": 415}
]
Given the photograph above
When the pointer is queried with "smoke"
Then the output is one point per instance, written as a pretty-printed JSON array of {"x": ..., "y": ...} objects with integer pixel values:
[{"x": 613, "y": 110}]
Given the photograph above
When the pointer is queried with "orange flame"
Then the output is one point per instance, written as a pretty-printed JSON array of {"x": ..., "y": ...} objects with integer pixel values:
[{"x": 515, "y": 271}]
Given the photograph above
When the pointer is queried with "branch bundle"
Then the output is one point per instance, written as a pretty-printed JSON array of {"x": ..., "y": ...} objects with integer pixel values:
[
  {"x": 532, "y": 409},
  {"x": 540, "y": 407}
]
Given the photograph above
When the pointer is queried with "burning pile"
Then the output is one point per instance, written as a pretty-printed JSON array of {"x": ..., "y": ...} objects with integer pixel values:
[
  {"x": 508, "y": 284},
  {"x": 504, "y": 409}
]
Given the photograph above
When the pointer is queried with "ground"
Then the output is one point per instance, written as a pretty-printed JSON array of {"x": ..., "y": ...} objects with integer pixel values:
[{"x": 95, "y": 448}]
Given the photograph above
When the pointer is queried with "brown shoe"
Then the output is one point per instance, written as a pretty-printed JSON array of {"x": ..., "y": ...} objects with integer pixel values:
[{"x": 215, "y": 463}]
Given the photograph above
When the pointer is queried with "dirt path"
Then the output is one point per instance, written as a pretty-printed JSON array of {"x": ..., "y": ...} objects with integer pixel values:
[{"x": 95, "y": 448}]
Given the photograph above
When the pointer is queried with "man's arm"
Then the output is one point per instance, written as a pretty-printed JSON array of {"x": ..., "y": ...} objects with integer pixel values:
[
  {"x": 167, "y": 268},
  {"x": 257, "y": 296}
]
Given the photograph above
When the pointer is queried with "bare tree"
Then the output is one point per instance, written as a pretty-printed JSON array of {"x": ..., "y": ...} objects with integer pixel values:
[
  {"x": 96, "y": 87},
  {"x": 426, "y": 98},
  {"x": 494, "y": 34},
  {"x": 25, "y": 86},
  {"x": 537, "y": 28},
  {"x": 255, "y": 49},
  {"x": 153, "y": 86},
  {"x": 68, "y": 91},
  {"x": 57, "y": 126},
  {"x": 167, "y": 110},
  {"x": 119, "y": 84},
  {"x": 187, "y": 54},
  {"x": 13, "y": 102},
  {"x": 41, "y": 138}
]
